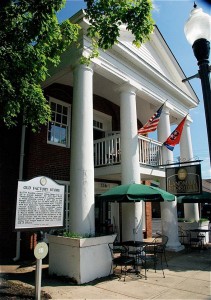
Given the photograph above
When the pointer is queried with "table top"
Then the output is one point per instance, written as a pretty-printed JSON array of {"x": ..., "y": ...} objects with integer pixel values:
[
  {"x": 138, "y": 243},
  {"x": 200, "y": 230}
]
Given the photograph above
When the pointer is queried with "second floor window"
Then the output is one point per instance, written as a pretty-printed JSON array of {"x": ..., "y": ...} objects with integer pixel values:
[{"x": 59, "y": 126}]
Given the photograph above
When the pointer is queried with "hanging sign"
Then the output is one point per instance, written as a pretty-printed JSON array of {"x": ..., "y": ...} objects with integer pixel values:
[
  {"x": 40, "y": 204},
  {"x": 184, "y": 180}
]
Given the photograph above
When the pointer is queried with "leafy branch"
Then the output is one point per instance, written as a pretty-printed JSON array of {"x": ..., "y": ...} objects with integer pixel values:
[{"x": 31, "y": 40}]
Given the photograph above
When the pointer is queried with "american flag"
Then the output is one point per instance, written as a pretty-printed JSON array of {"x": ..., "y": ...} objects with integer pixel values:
[{"x": 152, "y": 124}]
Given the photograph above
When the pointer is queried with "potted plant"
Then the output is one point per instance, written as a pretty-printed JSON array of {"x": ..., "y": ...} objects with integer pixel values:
[{"x": 81, "y": 258}]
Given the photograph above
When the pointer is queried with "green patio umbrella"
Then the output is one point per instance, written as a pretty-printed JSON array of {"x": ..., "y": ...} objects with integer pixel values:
[
  {"x": 136, "y": 192},
  {"x": 204, "y": 197}
]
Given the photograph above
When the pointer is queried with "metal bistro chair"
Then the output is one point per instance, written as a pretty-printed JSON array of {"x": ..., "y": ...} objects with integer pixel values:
[
  {"x": 184, "y": 237},
  {"x": 191, "y": 240},
  {"x": 120, "y": 258},
  {"x": 161, "y": 249},
  {"x": 152, "y": 253},
  {"x": 195, "y": 240}
]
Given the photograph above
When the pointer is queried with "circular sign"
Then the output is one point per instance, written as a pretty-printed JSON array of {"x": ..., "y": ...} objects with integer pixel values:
[
  {"x": 41, "y": 250},
  {"x": 182, "y": 174},
  {"x": 43, "y": 181}
]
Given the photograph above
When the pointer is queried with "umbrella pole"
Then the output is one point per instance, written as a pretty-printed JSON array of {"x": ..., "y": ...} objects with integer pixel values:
[
  {"x": 134, "y": 235},
  {"x": 120, "y": 221},
  {"x": 134, "y": 229}
]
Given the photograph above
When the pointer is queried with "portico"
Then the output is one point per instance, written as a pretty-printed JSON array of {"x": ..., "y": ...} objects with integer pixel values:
[{"x": 128, "y": 85}]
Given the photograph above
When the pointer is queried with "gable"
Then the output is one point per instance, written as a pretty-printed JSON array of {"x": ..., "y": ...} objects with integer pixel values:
[
  {"x": 149, "y": 55},
  {"x": 159, "y": 57}
]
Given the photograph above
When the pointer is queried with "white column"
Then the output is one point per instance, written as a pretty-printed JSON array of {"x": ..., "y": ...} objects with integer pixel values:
[
  {"x": 168, "y": 209},
  {"x": 191, "y": 210},
  {"x": 82, "y": 164},
  {"x": 131, "y": 213}
]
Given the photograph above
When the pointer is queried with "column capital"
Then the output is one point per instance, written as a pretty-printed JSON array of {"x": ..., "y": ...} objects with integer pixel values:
[
  {"x": 188, "y": 121},
  {"x": 166, "y": 109},
  {"x": 80, "y": 66},
  {"x": 126, "y": 87}
]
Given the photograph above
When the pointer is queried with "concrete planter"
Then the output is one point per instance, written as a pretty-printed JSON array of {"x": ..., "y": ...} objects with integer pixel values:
[
  {"x": 194, "y": 225},
  {"x": 81, "y": 259}
]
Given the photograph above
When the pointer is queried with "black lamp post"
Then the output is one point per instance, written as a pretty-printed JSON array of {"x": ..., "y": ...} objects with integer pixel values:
[{"x": 198, "y": 33}]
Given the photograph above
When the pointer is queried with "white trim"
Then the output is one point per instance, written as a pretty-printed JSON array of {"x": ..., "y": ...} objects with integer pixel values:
[
  {"x": 103, "y": 118},
  {"x": 68, "y": 106},
  {"x": 102, "y": 186},
  {"x": 66, "y": 204}
]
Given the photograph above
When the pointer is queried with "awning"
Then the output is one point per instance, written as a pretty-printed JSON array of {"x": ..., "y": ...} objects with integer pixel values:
[
  {"x": 205, "y": 197},
  {"x": 136, "y": 192}
]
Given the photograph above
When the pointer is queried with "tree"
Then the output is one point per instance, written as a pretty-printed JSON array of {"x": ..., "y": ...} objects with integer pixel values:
[
  {"x": 106, "y": 16},
  {"x": 31, "y": 39}
]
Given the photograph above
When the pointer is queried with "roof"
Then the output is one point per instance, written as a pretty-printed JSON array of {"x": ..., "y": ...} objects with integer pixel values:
[{"x": 206, "y": 185}]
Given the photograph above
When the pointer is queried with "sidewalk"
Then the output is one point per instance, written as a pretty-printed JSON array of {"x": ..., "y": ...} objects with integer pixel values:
[{"x": 188, "y": 276}]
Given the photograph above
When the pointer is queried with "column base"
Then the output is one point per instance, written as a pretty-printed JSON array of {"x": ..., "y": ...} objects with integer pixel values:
[{"x": 175, "y": 247}]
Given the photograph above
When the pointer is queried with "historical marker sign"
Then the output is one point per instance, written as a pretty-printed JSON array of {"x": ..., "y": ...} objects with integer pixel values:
[{"x": 40, "y": 204}]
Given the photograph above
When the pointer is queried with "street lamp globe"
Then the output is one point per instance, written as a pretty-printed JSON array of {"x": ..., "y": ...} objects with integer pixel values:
[{"x": 198, "y": 26}]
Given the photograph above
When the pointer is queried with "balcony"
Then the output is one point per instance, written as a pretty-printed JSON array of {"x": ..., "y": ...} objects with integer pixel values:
[{"x": 107, "y": 151}]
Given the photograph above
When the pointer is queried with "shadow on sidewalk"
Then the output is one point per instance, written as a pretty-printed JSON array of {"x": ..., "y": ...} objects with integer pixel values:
[{"x": 17, "y": 280}]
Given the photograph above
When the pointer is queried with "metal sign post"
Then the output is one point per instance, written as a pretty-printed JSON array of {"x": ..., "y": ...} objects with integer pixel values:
[
  {"x": 40, "y": 205},
  {"x": 38, "y": 278},
  {"x": 40, "y": 252}
]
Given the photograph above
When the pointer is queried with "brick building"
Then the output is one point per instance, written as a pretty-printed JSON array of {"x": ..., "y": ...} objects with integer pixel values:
[{"x": 91, "y": 143}]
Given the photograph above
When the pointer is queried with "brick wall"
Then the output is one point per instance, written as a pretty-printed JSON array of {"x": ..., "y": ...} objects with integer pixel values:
[
  {"x": 45, "y": 159},
  {"x": 148, "y": 216},
  {"x": 9, "y": 172},
  {"x": 148, "y": 212},
  {"x": 40, "y": 158}
]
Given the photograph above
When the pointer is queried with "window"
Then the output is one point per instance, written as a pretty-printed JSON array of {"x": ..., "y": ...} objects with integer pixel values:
[
  {"x": 101, "y": 124},
  {"x": 59, "y": 126},
  {"x": 97, "y": 124}
]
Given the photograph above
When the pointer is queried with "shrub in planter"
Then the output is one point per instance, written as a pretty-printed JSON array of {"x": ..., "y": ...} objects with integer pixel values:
[{"x": 82, "y": 259}]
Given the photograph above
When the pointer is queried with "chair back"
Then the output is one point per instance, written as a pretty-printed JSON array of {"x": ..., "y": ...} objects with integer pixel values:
[
  {"x": 164, "y": 240},
  {"x": 161, "y": 241},
  {"x": 184, "y": 236},
  {"x": 118, "y": 249}
]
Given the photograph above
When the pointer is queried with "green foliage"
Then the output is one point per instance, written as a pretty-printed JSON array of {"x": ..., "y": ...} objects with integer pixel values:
[
  {"x": 203, "y": 220},
  {"x": 76, "y": 235},
  {"x": 72, "y": 235},
  {"x": 94, "y": 53},
  {"x": 106, "y": 16},
  {"x": 30, "y": 40},
  {"x": 192, "y": 220}
]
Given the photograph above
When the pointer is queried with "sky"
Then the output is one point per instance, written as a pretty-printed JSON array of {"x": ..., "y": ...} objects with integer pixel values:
[{"x": 170, "y": 17}]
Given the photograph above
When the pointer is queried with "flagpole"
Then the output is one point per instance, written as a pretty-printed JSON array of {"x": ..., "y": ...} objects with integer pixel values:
[{"x": 152, "y": 124}]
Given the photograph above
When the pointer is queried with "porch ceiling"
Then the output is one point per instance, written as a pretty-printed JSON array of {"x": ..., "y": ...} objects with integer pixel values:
[
  {"x": 146, "y": 104},
  {"x": 114, "y": 173}
]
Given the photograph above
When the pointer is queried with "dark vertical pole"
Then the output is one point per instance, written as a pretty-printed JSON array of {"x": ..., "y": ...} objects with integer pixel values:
[
  {"x": 201, "y": 49},
  {"x": 204, "y": 74}
]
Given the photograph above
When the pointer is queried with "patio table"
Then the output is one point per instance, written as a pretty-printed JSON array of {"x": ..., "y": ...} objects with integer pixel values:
[
  {"x": 139, "y": 246},
  {"x": 201, "y": 231}
]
